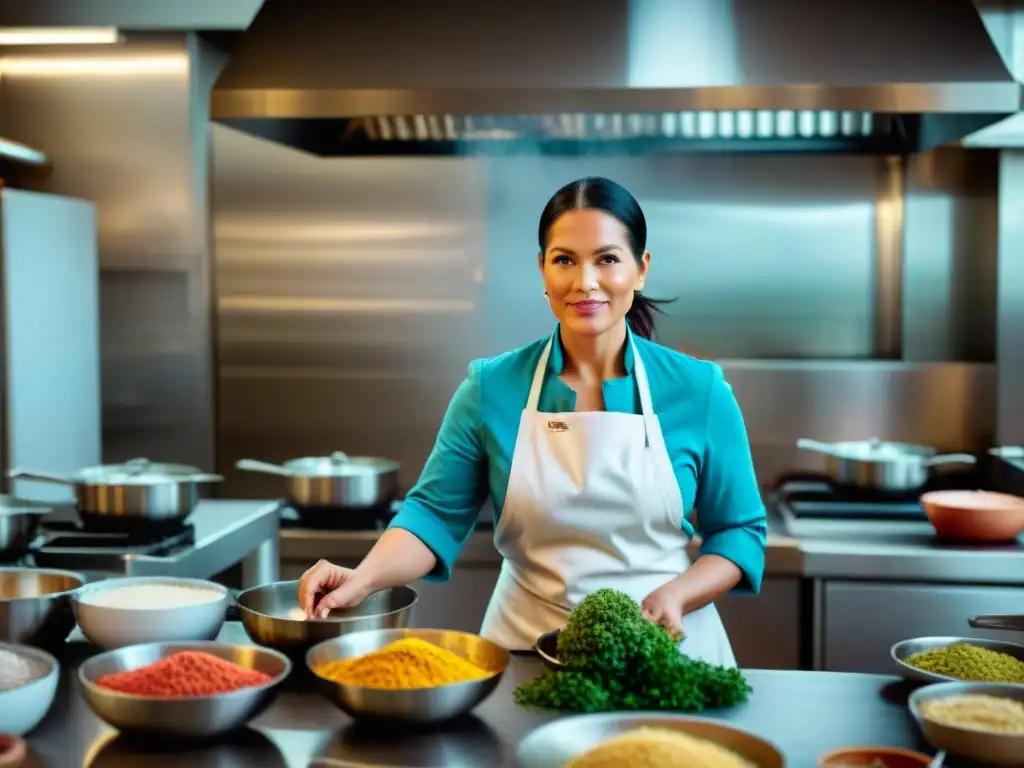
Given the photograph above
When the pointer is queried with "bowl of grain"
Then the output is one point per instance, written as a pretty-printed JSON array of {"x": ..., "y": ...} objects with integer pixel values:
[
  {"x": 158, "y": 609},
  {"x": 959, "y": 659},
  {"x": 411, "y": 675},
  {"x": 28, "y": 685},
  {"x": 627, "y": 740},
  {"x": 983, "y": 723}
]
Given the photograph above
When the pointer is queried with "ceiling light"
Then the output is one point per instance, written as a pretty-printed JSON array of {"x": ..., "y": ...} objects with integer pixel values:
[{"x": 58, "y": 35}]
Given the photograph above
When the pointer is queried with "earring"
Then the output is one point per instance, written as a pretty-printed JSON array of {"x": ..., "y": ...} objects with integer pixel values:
[{"x": 545, "y": 294}]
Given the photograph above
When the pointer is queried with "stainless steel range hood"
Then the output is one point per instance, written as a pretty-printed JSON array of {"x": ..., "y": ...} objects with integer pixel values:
[{"x": 342, "y": 77}]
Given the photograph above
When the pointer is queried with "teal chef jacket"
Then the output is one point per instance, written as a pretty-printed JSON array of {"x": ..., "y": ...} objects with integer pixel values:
[{"x": 699, "y": 416}]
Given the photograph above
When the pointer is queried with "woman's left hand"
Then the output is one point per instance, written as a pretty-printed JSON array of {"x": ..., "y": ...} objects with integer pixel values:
[{"x": 664, "y": 606}]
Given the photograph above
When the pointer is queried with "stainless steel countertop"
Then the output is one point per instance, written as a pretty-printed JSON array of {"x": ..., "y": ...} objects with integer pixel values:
[
  {"x": 226, "y": 532},
  {"x": 805, "y": 713}
]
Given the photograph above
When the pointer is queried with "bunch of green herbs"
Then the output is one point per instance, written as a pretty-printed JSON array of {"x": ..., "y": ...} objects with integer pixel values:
[{"x": 615, "y": 659}]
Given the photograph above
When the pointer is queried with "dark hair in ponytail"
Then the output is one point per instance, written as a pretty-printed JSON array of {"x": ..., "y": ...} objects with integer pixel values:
[{"x": 615, "y": 200}]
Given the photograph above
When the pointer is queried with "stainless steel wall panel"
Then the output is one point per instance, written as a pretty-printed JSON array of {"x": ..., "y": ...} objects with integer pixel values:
[
  {"x": 119, "y": 125},
  {"x": 950, "y": 253},
  {"x": 349, "y": 302},
  {"x": 1010, "y": 427},
  {"x": 767, "y": 256},
  {"x": 352, "y": 294},
  {"x": 947, "y": 405}
]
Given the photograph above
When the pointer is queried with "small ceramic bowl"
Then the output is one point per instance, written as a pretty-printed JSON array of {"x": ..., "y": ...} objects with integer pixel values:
[
  {"x": 890, "y": 757},
  {"x": 980, "y": 516},
  {"x": 12, "y": 751}
]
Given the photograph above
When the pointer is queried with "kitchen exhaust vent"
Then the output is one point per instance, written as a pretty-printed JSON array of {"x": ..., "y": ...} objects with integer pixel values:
[{"x": 406, "y": 77}]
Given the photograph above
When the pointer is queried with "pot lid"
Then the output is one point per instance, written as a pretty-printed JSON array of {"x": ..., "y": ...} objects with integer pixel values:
[
  {"x": 340, "y": 464},
  {"x": 875, "y": 450},
  {"x": 136, "y": 472}
]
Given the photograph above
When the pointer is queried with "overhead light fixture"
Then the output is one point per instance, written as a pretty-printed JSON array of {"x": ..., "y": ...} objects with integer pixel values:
[{"x": 58, "y": 35}]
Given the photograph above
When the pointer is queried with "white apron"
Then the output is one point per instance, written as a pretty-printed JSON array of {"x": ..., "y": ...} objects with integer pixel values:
[{"x": 592, "y": 502}]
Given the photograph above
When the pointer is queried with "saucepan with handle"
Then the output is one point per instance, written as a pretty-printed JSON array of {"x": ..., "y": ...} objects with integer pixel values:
[
  {"x": 335, "y": 482},
  {"x": 137, "y": 491},
  {"x": 882, "y": 465},
  {"x": 1005, "y": 622}
]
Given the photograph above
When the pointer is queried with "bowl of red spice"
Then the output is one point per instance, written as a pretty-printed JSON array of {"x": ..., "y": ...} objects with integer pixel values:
[{"x": 192, "y": 690}]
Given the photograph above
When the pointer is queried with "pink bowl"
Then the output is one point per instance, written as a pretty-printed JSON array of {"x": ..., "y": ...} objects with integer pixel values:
[
  {"x": 891, "y": 757},
  {"x": 982, "y": 516},
  {"x": 12, "y": 751}
]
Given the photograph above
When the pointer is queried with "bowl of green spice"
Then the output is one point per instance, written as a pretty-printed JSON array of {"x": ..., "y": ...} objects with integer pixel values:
[{"x": 968, "y": 659}]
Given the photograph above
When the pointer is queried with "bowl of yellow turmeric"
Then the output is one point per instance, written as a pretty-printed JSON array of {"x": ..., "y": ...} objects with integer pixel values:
[{"x": 411, "y": 675}]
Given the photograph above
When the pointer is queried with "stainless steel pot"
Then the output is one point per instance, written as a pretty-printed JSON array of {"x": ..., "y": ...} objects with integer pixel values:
[
  {"x": 136, "y": 490},
  {"x": 338, "y": 481},
  {"x": 1004, "y": 622},
  {"x": 19, "y": 520},
  {"x": 881, "y": 465}
]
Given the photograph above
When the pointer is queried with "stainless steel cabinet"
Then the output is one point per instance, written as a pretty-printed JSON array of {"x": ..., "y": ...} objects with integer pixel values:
[
  {"x": 765, "y": 629},
  {"x": 456, "y": 604},
  {"x": 861, "y": 621}
]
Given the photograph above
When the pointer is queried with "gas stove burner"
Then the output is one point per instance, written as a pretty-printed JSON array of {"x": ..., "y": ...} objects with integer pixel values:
[
  {"x": 140, "y": 534},
  {"x": 815, "y": 496},
  {"x": 73, "y": 546},
  {"x": 140, "y": 529},
  {"x": 338, "y": 519},
  {"x": 808, "y": 496}
]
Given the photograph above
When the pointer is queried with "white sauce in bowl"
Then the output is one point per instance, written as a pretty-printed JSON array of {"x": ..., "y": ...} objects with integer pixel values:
[{"x": 152, "y": 596}]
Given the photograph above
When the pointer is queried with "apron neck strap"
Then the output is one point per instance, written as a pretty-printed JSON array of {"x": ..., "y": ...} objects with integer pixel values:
[
  {"x": 643, "y": 388},
  {"x": 538, "y": 376}
]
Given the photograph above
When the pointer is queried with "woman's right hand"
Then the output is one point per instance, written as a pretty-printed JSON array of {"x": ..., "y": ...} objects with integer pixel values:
[{"x": 336, "y": 587}]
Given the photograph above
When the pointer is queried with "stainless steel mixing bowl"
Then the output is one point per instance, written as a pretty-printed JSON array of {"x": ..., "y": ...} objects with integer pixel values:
[
  {"x": 555, "y": 744},
  {"x": 271, "y": 615},
  {"x": 417, "y": 705},
  {"x": 35, "y": 605},
  {"x": 974, "y": 746},
  {"x": 193, "y": 716},
  {"x": 904, "y": 649}
]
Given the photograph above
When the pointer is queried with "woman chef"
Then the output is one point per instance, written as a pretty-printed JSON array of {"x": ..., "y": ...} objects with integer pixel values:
[{"x": 591, "y": 444}]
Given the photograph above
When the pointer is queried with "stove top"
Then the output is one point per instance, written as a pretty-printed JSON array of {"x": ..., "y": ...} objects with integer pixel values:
[
  {"x": 808, "y": 500},
  {"x": 814, "y": 497},
  {"x": 327, "y": 519},
  {"x": 61, "y": 543}
]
